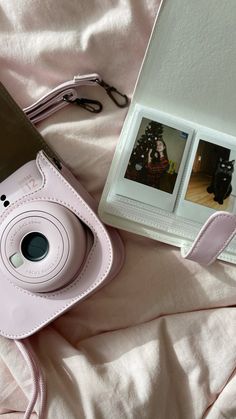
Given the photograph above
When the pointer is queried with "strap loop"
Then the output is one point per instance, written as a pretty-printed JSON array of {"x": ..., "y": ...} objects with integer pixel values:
[
  {"x": 67, "y": 93},
  {"x": 213, "y": 238},
  {"x": 90, "y": 105},
  {"x": 120, "y": 99}
]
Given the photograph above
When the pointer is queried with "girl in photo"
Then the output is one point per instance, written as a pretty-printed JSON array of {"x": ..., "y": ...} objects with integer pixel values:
[{"x": 158, "y": 163}]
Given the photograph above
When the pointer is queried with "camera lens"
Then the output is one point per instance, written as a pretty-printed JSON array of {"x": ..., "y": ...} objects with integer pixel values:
[{"x": 34, "y": 246}]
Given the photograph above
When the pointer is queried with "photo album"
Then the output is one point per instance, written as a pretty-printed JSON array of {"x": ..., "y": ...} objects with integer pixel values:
[{"x": 175, "y": 163}]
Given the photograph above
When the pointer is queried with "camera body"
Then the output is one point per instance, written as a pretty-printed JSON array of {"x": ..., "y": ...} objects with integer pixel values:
[
  {"x": 43, "y": 243},
  {"x": 54, "y": 249}
]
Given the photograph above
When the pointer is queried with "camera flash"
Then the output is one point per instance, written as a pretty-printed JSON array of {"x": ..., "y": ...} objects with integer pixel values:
[{"x": 16, "y": 260}]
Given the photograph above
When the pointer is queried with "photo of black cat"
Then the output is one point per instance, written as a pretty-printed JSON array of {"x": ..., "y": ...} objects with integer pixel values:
[
  {"x": 212, "y": 181},
  {"x": 221, "y": 180}
]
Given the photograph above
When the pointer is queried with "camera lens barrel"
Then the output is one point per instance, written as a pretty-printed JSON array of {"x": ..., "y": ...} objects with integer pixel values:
[{"x": 43, "y": 246}]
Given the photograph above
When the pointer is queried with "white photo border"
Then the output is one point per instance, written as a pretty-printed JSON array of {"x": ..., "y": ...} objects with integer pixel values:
[
  {"x": 134, "y": 190},
  {"x": 192, "y": 210}
]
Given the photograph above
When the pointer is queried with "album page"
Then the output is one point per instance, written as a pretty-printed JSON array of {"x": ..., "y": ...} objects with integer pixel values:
[{"x": 175, "y": 161}]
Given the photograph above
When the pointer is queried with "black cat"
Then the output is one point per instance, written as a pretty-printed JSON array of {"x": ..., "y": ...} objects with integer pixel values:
[{"x": 221, "y": 180}]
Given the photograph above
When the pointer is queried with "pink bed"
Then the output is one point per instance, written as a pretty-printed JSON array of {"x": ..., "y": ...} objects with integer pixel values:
[{"x": 158, "y": 341}]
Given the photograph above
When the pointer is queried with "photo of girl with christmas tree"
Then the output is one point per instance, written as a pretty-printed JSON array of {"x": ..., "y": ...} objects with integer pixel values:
[{"x": 156, "y": 156}]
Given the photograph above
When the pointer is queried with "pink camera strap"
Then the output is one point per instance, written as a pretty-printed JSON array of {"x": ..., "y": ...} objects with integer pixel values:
[
  {"x": 68, "y": 92},
  {"x": 38, "y": 382}
]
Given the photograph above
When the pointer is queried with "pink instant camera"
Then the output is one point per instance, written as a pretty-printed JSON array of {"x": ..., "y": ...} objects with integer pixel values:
[{"x": 54, "y": 249}]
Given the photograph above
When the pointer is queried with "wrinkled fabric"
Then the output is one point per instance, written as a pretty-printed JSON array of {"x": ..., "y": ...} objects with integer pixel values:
[{"x": 159, "y": 340}]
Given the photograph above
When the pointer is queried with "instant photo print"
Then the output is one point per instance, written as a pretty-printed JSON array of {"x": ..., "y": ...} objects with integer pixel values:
[
  {"x": 209, "y": 184},
  {"x": 154, "y": 159},
  {"x": 175, "y": 162}
]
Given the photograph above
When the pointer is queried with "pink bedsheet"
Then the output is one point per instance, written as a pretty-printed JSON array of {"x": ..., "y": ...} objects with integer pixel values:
[{"x": 159, "y": 341}]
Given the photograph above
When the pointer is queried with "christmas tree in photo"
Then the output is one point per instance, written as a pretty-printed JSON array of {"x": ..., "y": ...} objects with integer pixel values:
[{"x": 149, "y": 159}]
